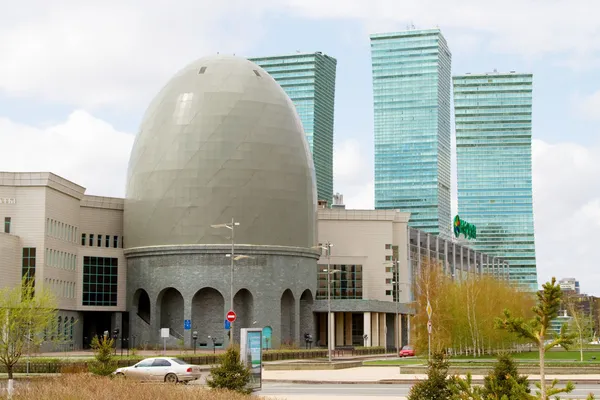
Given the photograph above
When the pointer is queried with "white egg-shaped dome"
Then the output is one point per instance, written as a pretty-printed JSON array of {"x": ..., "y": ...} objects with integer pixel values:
[{"x": 221, "y": 140}]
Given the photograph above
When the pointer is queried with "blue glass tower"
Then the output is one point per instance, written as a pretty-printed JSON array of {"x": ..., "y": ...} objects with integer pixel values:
[
  {"x": 411, "y": 91},
  {"x": 309, "y": 81},
  {"x": 493, "y": 152}
]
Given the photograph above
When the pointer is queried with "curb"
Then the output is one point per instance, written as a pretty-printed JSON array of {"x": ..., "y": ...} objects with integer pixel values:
[{"x": 408, "y": 381}]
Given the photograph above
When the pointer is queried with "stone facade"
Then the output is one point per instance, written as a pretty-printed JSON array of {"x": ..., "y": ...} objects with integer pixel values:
[{"x": 274, "y": 288}]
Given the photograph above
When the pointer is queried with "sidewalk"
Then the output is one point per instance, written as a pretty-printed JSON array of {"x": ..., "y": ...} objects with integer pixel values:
[{"x": 384, "y": 375}]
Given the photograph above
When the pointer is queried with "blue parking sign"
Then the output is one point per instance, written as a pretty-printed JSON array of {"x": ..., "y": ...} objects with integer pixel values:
[
  {"x": 187, "y": 324},
  {"x": 227, "y": 324}
]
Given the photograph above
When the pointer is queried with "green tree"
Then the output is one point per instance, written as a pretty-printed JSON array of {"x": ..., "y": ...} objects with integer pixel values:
[
  {"x": 437, "y": 384},
  {"x": 104, "y": 364},
  {"x": 536, "y": 329},
  {"x": 501, "y": 381},
  {"x": 25, "y": 314},
  {"x": 230, "y": 374}
]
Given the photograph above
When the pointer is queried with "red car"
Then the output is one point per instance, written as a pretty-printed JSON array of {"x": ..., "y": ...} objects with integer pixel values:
[{"x": 406, "y": 351}]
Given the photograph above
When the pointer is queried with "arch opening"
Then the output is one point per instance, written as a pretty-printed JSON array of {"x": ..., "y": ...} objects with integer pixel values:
[
  {"x": 171, "y": 312},
  {"x": 208, "y": 313},
  {"x": 141, "y": 302},
  {"x": 288, "y": 318},
  {"x": 243, "y": 305}
]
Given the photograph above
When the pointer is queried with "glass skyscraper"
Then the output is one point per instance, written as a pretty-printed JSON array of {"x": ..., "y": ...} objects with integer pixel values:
[
  {"x": 411, "y": 95},
  {"x": 493, "y": 152},
  {"x": 309, "y": 80}
]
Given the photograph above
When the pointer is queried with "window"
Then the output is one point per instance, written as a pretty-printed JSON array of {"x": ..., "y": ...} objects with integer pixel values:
[
  {"x": 66, "y": 330},
  {"x": 91, "y": 239},
  {"x": 72, "y": 324},
  {"x": 202, "y": 70},
  {"x": 7, "y": 225},
  {"x": 159, "y": 362},
  {"x": 28, "y": 265},
  {"x": 388, "y": 281},
  {"x": 107, "y": 240},
  {"x": 83, "y": 239},
  {"x": 99, "y": 240},
  {"x": 58, "y": 325},
  {"x": 388, "y": 292},
  {"x": 388, "y": 258},
  {"x": 115, "y": 242},
  {"x": 144, "y": 364},
  {"x": 100, "y": 281},
  {"x": 345, "y": 284},
  {"x": 388, "y": 246}
]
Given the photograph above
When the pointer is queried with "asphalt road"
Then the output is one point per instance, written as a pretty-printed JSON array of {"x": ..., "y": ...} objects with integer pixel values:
[{"x": 283, "y": 391}]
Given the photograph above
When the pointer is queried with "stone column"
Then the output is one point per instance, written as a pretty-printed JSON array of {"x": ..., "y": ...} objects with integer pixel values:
[
  {"x": 348, "y": 326},
  {"x": 382, "y": 329},
  {"x": 367, "y": 329},
  {"x": 298, "y": 340},
  {"x": 339, "y": 329},
  {"x": 375, "y": 329},
  {"x": 331, "y": 337},
  {"x": 117, "y": 323},
  {"x": 187, "y": 314}
]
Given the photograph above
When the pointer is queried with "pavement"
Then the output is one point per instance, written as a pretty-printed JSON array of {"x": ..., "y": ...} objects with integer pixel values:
[{"x": 384, "y": 375}]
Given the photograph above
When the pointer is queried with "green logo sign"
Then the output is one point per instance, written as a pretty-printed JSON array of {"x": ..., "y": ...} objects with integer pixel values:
[{"x": 467, "y": 229}]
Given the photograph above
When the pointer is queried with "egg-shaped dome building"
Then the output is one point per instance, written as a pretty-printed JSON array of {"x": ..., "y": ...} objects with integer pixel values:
[
  {"x": 220, "y": 147},
  {"x": 221, "y": 140}
]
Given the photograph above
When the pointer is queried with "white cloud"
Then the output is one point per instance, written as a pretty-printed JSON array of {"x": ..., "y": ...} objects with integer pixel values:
[
  {"x": 117, "y": 53},
  {"x": 83, "y": 149},
  {"x": 528, "y": 28},
  {"x": 114, "y": 53},
  {"x": 588, "y": 106},
  {"x": 567, "y": 211},
  {"x": 353, "y": 174}
]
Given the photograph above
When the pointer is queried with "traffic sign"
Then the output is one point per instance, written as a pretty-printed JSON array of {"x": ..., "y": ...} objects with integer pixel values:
[
  {"x": 231, "y": 317},
  {"x": 227, "y": 325},
  {"x": 429, "y": 326},
  {"x": 429, "y": 309},
  {"x": 187, "y": 324}
]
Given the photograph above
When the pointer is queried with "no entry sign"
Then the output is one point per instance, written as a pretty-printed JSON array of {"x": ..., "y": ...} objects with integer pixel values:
[{"x": 231, "y": 316}]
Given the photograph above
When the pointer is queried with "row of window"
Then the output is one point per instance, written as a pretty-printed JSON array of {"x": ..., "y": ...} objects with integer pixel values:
[
  {"x": 64, "y": 329},
  {"x": 102, "y": 240},
  {"x": 60, "y": 259},
  {"x": 60, "y": 230},
  {"x": 62, "y": 289}
]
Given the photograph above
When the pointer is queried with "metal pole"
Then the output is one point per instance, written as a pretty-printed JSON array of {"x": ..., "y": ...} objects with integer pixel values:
[
  {"x": 231, "y": 279},
  {"x": 328, "y": 300},
  {"x": 397, "y": 308}
]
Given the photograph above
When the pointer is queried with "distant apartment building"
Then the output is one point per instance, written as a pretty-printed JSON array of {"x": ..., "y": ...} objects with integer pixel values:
[
  {"x": 412, "y": 96},
  {"x": 309, "y": 81},
  {"x": 569, "y": 285},
  {"x": 493, "y": 114}
]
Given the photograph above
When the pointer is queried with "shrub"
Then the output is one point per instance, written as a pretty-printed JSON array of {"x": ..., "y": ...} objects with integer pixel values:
[
  {"x": 436, "y": 386},
  {"x": 505, "y": 380},
  {"x": 230, "y": 374},
  {"x": 103, "y": 353}
]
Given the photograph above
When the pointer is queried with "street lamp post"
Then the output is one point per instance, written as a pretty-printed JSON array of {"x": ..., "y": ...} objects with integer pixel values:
[
  {"x": 231, "y": 226},
  {"x": 397, "y": 327},
  {"x": 327, "y": 246}
]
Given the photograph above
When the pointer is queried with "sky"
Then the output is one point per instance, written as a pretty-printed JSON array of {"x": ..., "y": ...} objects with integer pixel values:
[{"x": 76, "y": 77}]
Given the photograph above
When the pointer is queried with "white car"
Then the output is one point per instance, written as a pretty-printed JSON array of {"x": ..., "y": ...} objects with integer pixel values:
[{"x": 166, "y": 369}]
